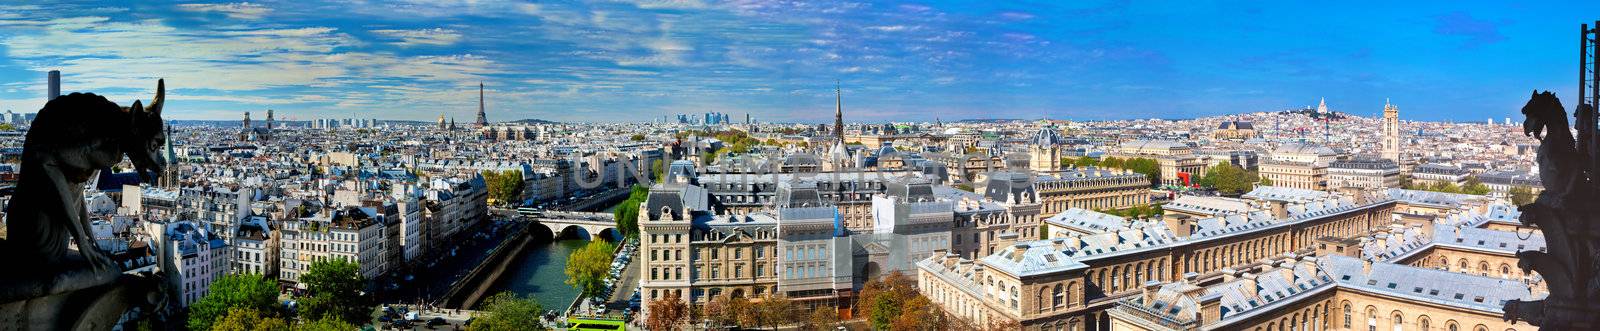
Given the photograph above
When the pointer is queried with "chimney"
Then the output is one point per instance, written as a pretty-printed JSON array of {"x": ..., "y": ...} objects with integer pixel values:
[
  {"x": 1249, "y": 285},
  {"x": 1210, "y": 309},
  {"x": 1005, "y": 239},
  {"x": 1280, "y": 209},
  {"x": 1366, "y": 266},
  {"x": 1150, "y": 289},
  {"x": 1229, "y": 274},
  {"x": 1180, "y": 224},
  {"x": 1017, "y": 250},
  {"x": 1286, "y": 269}
]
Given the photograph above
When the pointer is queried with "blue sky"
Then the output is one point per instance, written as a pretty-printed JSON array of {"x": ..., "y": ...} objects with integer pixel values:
[{"x": 778, "y": 60}]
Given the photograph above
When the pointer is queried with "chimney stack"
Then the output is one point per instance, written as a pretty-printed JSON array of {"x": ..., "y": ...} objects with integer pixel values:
[{"x": 1150, "y": 289}]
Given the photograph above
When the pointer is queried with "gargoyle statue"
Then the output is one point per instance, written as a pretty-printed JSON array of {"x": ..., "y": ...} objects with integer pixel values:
[
  {"x": 72, "y": 138},
  {"x": 1565, "y": 213}
]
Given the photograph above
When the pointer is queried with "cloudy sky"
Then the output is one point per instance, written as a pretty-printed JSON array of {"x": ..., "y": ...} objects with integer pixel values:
[{"x": 779, "y": 60}]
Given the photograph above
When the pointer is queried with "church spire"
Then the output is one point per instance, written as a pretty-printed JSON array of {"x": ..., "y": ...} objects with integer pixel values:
[{"x": 838, "y": 111}]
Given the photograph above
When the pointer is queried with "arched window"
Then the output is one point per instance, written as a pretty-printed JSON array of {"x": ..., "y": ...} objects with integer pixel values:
[
  {"x": 1372, "y": 319},
  {"x": 1422, "y": 323},
  {"x": 1396, "y": 320},
  {"x": 1057, "y": 297},
  {"x": 1480, "y": 327},
  {"x": 1505, "y": 270},
  {"x": 1347, "y": 315},
  {"x": 1444, "y": 262},
  {"x": 1463, "y": 264},
  {"x": 1483, "y": 267},
  {"x": 1451, "y": 325}
]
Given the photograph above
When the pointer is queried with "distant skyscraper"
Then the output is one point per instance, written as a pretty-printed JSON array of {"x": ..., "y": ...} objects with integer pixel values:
[
  {"x": 838, "y": 112},
  {"x": 483, "y": 119},
  {"x": 1391, "y": 131},
  {"x": 55, "y": 85}
]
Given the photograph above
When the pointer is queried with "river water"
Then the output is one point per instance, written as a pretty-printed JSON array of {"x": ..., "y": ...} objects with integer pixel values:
[{"x": 541, "y": 273}]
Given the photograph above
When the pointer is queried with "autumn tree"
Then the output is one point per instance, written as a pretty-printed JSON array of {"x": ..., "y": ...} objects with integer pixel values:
[
  {"x": 586, "y": 268},
  {"x": 893, "y": 303},
  {"x": 666, "y": 313},
  {"x": 821, "y": 319},
  {"x": 509, "y": 312},
  {"x": 774, "y": 311}
]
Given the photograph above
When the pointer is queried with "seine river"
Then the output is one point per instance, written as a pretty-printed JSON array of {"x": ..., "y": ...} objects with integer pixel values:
[{"x": 540, "y": 272}]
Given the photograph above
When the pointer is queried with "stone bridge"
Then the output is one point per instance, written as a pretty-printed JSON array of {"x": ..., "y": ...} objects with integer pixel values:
[{"x": 559, "y": 222}]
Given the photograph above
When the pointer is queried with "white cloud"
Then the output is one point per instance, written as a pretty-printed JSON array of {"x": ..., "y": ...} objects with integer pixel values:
[
  {"x": 237, "y": 10},
  {"x": 431, "y": 37}
]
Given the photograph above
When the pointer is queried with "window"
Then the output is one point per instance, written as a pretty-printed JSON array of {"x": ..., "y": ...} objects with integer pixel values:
[
  {"x": 1057, "y": 296},
  {"x": 1347, "y": 315}
]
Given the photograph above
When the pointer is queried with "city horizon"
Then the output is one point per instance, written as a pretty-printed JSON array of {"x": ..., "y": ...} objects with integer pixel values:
[{"x": 900, "y": 62}]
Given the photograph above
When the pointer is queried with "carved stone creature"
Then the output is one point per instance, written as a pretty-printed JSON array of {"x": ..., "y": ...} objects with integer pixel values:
[
  {"x": 72, "y": 138},
  {"x": 1565, "y": 213}
]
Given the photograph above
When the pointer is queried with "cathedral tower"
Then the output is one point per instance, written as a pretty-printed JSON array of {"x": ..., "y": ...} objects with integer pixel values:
[{"x": 1391, "y": 131}]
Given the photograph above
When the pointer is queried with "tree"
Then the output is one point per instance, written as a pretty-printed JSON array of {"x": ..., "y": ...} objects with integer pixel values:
[
  {"x": 627, "y": 212},
  {"x": 241, "y": 291},
  {"x": 822, "y": 319},
  {"x": 1266, "y": 181},
  {"x": 328, "y": 323},
  {"x": 657, "y": 172},
  {"x": 586, "y": 268},
  {"x": 666, "y": 313},
  {"x": 505, "y": 187},
  {"x": 1149, "y": 167},
  {"x": 774, "y": 311},
  {"x": 727, "y": 310},
  {"x": 335, "y": 288},
  {"x": 1228, "y": 179},
  {"x": 1522, "y": 195},
  {"x": 637, "y": 137},
  {"x": 506, "y": 311},
  {"x": 246, "y": 319},
  {"x": 892, "y": 303},
  {"x": 1474, "y": 186},
  {"x": 1081, "y": 161}
]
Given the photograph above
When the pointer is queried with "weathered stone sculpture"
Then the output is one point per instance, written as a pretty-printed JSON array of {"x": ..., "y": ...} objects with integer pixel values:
[
  {"x": 1566, "y": 212},
  {"x": 49, "y": 287}
]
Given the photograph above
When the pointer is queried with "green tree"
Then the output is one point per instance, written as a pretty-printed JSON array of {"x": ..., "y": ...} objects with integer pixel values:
[
  {"x": 505, "y": 187},
  {"x": 1474, "y": 186},
  {"x": 1228, "y": 179},
  {"x": 1266, "y": 181},
  {"x": 240, "y": 291},
  {"x": 627, "y": 212},
  {"x": 657, "y": 171},
  {"x": 1081, "y": 161},
  {"x": 327, "y": 323},
  {"x": 1149, "y": 167},
  {"x": 708, "y": 158},
  {"x": 335, "y": 288},
  {"x": 637, "y": 137},
  {"x": 506, "y": 311},
  {"x": 1112, "y": 162},
  {"x": 246, "y": 319},
  {"x": 586, "y": 268},
  {"x": 892, "y": 303},
  {"x": 1522, "y": 195}
]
